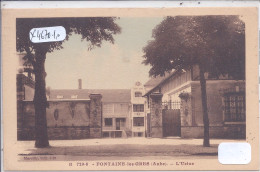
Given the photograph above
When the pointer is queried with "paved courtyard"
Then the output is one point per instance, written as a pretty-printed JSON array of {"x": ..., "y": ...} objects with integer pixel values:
[{"x": 123, "y": 149}]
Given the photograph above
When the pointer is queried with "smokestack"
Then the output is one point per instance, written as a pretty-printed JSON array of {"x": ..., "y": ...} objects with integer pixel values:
[{"x": 80, "y": 84}]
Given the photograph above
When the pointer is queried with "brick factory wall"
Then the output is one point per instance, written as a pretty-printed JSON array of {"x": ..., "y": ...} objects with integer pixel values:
[
  {"x": 192, "y": 115},
  {"x": 214, "y": 99}
]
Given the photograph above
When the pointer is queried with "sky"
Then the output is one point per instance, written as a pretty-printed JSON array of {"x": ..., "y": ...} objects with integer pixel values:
[{"x": 113, "y": 66}]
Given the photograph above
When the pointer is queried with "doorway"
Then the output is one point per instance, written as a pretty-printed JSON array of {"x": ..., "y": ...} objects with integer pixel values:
[
  {"x": 120, "y": 122},
  {"x": 171, "y": 122}
]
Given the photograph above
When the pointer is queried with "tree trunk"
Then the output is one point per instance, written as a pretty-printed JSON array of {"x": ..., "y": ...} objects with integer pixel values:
[
  {"x": 204, "y": 107},
  {"x": 40, "y": 101}
]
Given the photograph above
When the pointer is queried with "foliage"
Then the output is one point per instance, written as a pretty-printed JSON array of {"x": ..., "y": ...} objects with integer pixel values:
[
  {"x": 92, "y": 29},
  {"x": 184, "y": 95},
  {"x": 216, "y": 43}
]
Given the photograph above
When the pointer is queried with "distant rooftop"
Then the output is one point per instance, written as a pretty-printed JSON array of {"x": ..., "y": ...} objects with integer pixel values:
[{"x": 108, "y": 95}]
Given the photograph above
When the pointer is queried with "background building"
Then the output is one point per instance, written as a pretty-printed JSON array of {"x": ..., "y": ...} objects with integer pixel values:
[
  {"x": 138, "y": 110},
  {"x": 116, "y": 108}
]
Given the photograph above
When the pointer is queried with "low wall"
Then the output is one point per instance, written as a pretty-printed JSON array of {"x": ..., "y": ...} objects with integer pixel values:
[
  {"x": 66, "y": 119},
  {"x": 56, "y": 133},
  {"x": 223, "y": 132}
]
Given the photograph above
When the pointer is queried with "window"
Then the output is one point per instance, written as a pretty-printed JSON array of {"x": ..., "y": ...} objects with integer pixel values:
[
  {"x": 138, "y": 108},
  {"x": 138, "y": 94},
  {"x": 74, "y": 96},
  {"x": 105, "y": 134},
  {"x": 59, "y": 97},
  {"x": 138, "y": 121},
  {"x": 234, "y": 107},
  {"x": 108, "y": 122},
  {"x": 138, "y": 134}
]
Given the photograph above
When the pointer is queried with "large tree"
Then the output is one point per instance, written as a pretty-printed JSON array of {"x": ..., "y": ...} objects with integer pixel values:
[
  {"x": 216, "y": 44},
  {"x": 94, "y": 30}
]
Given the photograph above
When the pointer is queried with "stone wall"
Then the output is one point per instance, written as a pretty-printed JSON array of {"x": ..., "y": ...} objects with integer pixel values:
[
  {"x": 95, "y": 120},
  {"x": 56, "y": 133},
  {"x": 71, "y": 119},
  {"x": 156, "y": 115},
  {"x": 186, "y": 114}
]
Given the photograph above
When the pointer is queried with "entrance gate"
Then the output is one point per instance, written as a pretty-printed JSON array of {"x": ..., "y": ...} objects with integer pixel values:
[{"x": 171, "y": 120}]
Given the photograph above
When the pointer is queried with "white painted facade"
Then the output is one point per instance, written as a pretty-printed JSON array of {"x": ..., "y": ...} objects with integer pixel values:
[{"x": 138, "y": 110}]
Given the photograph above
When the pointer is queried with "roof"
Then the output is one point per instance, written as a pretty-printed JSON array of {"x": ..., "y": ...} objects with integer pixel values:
[
  {"x": 108, "y": 95},
  {"x": 154, "y": 81},
  {"x": 160, "y": 81}
]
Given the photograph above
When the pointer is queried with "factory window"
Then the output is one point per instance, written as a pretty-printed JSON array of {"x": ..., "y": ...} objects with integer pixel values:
[{"x": 234, "y": 107}]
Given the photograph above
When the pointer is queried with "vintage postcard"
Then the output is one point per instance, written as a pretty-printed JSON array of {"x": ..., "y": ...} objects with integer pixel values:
[{"x": 130, "y": 88}]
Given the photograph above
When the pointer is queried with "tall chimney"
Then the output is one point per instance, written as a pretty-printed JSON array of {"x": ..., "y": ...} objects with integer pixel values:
[{"x": 80, "y": 84}]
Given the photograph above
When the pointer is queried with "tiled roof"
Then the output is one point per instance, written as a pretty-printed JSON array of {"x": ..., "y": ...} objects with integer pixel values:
[
  {"x": 154, "y": 81},
  {"x": 160, "y": 81},
  {"x": 108, "y": 95}
]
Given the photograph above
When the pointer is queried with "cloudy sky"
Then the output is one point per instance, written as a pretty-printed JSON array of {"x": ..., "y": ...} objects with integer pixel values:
[{"x": 111, "y": 66}]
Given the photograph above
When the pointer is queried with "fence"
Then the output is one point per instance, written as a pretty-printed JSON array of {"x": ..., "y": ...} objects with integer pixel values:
[{"x": 171, "y": 105}]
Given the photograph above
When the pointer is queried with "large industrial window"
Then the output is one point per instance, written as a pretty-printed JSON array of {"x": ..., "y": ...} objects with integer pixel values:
[
  {"x": 138, "y": 121},
  {"x": 138, "y": 108},
  {"x": 234, "y": 107},
  {"x": 108, "y": 122}
]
